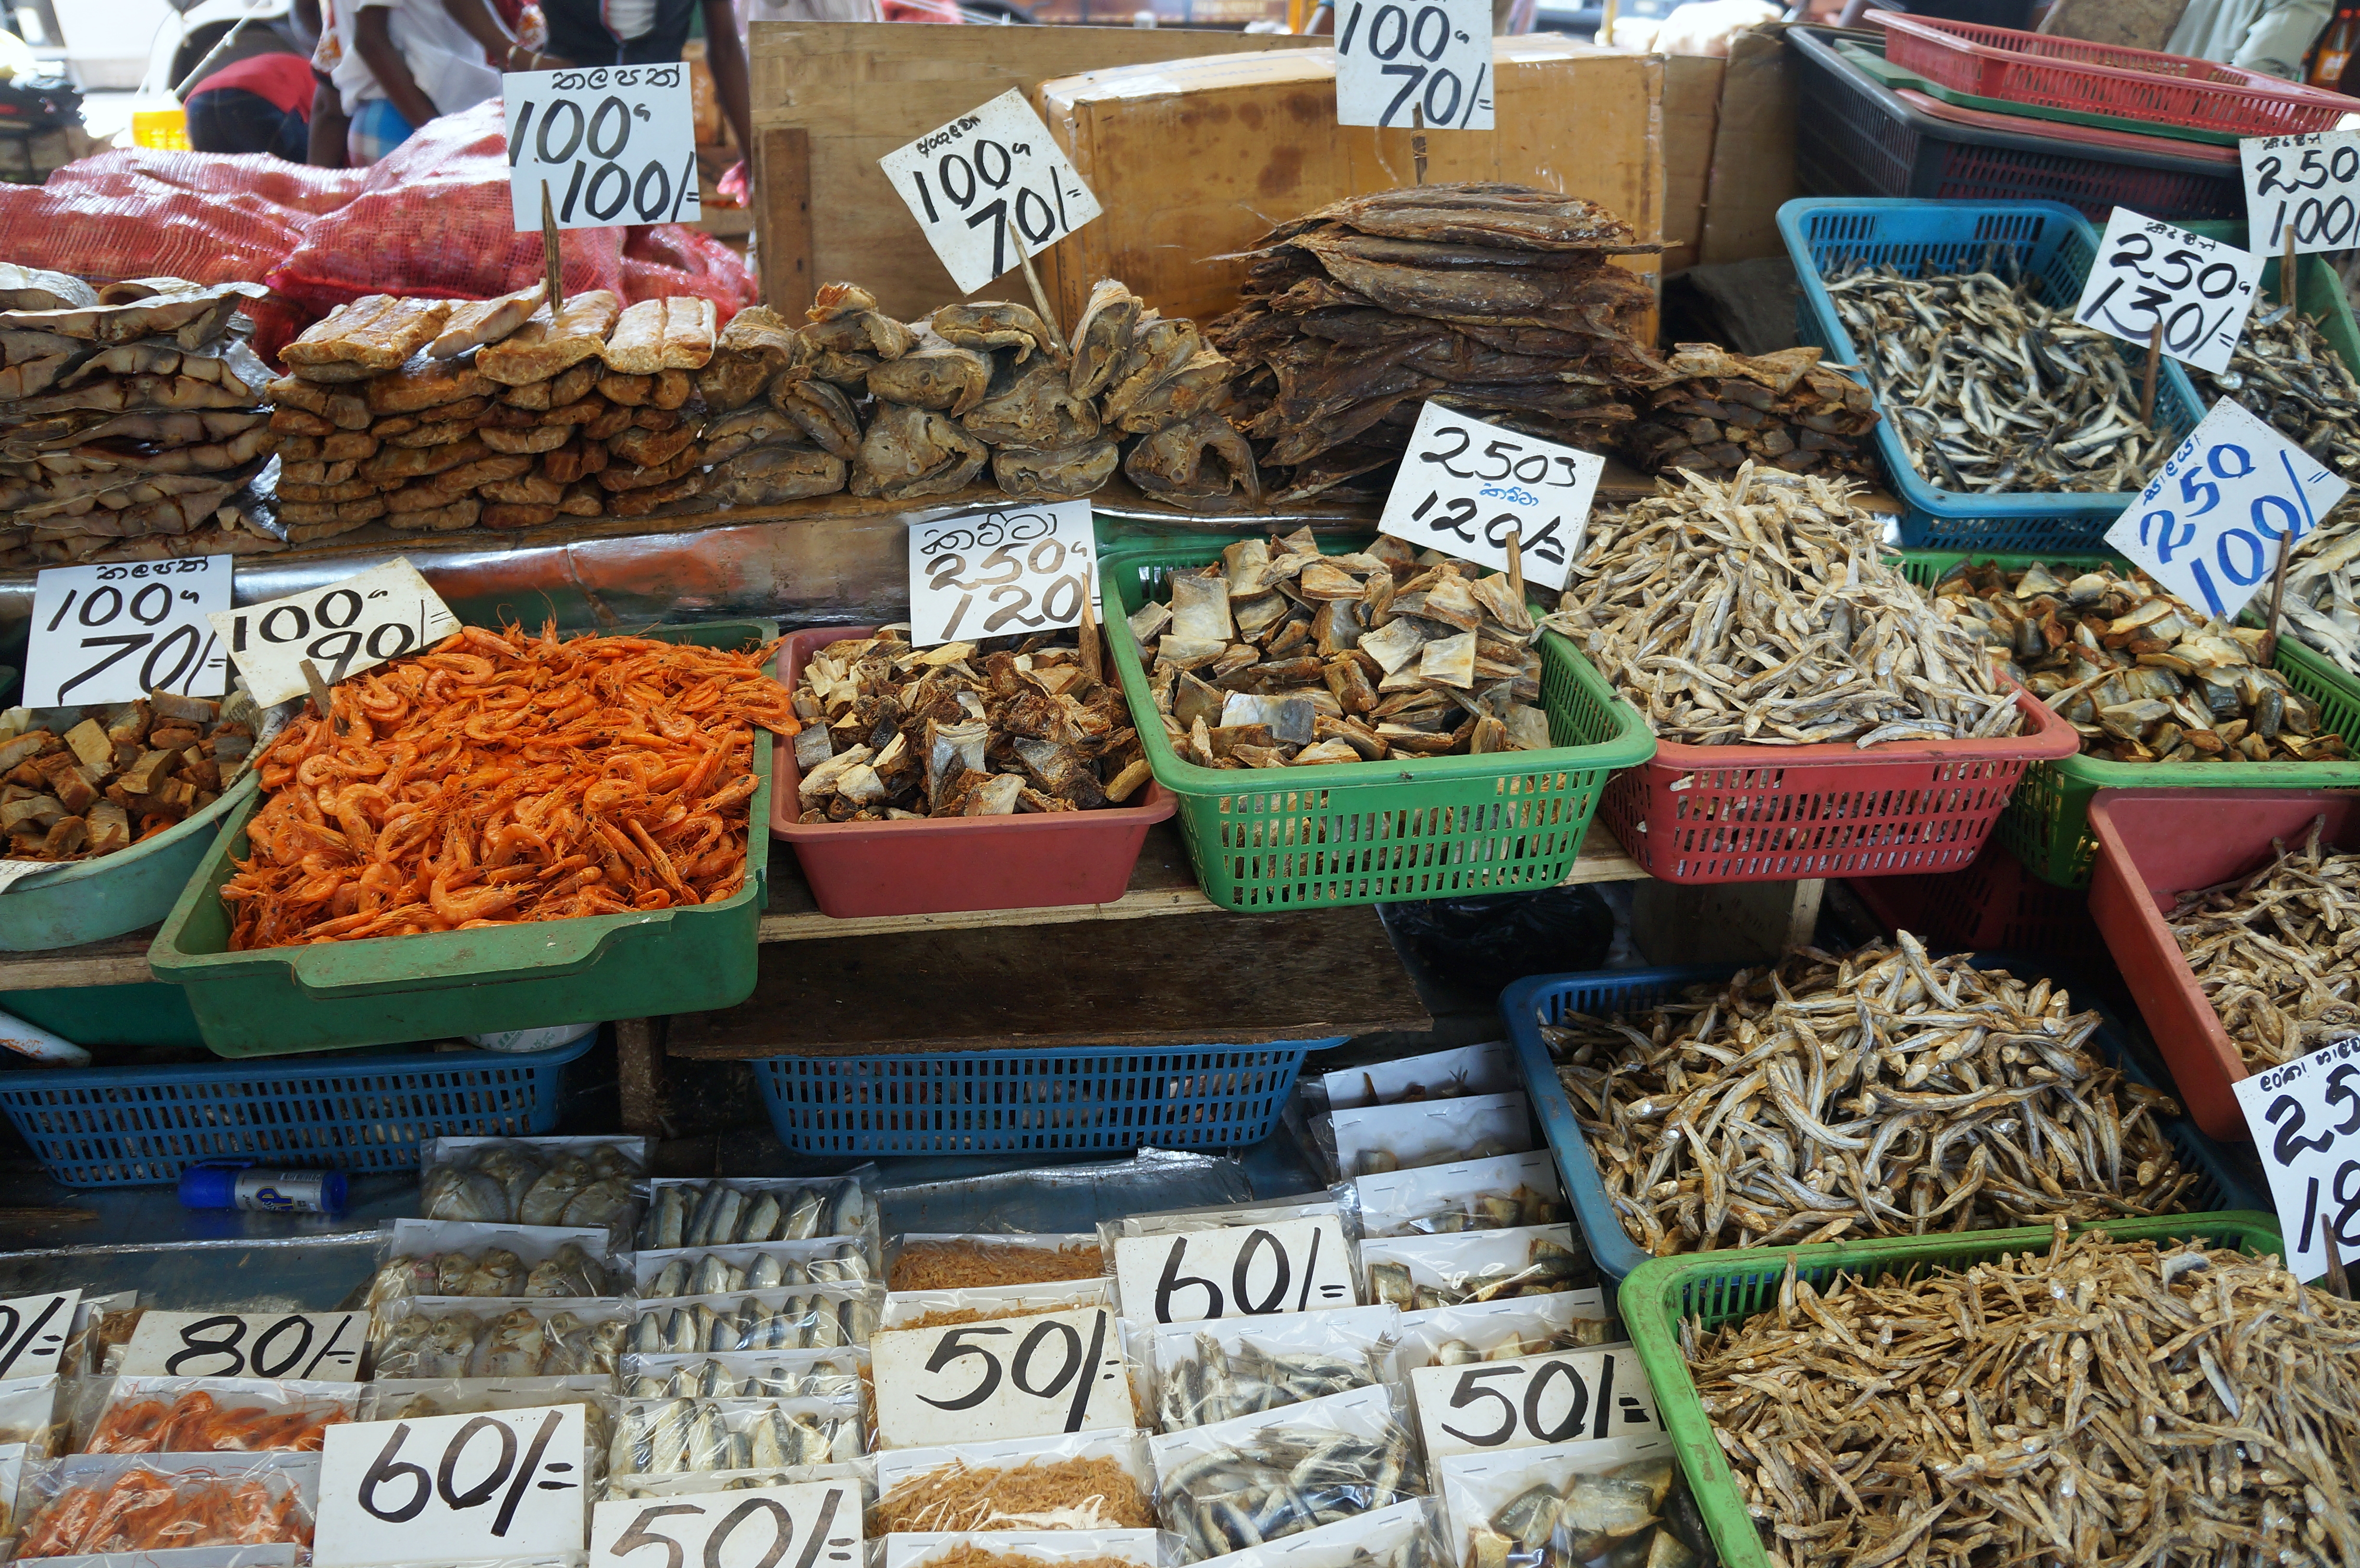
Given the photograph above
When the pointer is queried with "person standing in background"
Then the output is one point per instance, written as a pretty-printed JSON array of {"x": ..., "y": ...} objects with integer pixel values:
[
  {"x": 2270, "y": 36},
  {"x": 651, "y": 32},
  {"x": 260, "y": 104},
  {"x": 395, "y": 64}
]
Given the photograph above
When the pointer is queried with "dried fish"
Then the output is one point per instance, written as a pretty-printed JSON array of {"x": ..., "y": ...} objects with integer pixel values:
[
  {"x": 2283, "y": 370},
  {"x": 432, "y": 1341},
  {"x": 1784, "y": 408},
  {"x": 1883, "y": 1092},
  {"x": 493, "y": 1181},
  {"x": 1542, "y": 1266},
  {"x": 1255, "y": 1479},
  {"x": 2273, "y": 951},
  {"x": 1214, "y": 1383},
  {"x": 720, "y": 1213},
  {"x": 1592, "y": 1505},
  {"x": 659, "y": 1437},
  {"x": 782, "y": 1319}
]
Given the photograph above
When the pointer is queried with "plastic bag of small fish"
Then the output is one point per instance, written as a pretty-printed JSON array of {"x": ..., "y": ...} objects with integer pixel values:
[
  {"x": 572, "y": 1181},
  {"x": 442, "y": 1336},
  {"x": 1617, "y": 1502},
  {"x": 92, "y": 1503},
  {"x": 744, "y": 1375},
  {"x": 284, "y": 1555},
  {"x": 719, "y": 1213},
  {"x": 939, "y": 1262},
  {"x": 1416, "y": 1273},
  {"x": 1503, "y": 1330},
  {"x": 1226, "y": 1367},
  {"x": 29, "y": 1415},
  {"x": 453, "y": 1258},
  {"x": 415, "y": 1399},
  {"x": 209, "y": 1415},
  {"x": 1033, "y": 1549},
  {"x": 13, "y": 1456},
  {"x": 1405, "y": 1535},
  {"x": 820, "y": 1317},
  {"x": 1240, "y": 1483},
  {"x": 756, "y": 1266},
  {"x": 1085, "y": 1481},
  {"x": 1457, "y": 1073},
  {"x": 664, "y": 1437},
  {"x": 101, "y": 1326},
  {"x": 931, "y": 1309},
  {"x": 1372, "y": 1139},
  {"x": 690, "y": 1483},
  {"x": 1494, "y": 1194}
]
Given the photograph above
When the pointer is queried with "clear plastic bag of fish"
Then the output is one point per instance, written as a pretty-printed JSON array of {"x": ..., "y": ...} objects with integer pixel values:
[
  {"x": 755, "y": 1266},
  {"x": 89, "y": 1504},
  {"x": 1081, "y": 1481},
  {"x": 1031, "y": 1549},
  {"x": 1226, "y": 1367},
  {"x": 932, "y": 1261},
  {"x": 1617, "y": 1502},
  {"x": 1487, "y": 1068},
  {"x": 1505, "y": 1329},
  {"x": 102, "y": 1326},
  {"x": 927, "y": 1309},
  {"x": 666, "y": 1437},
  {"x": 417, "y": 1398},
  {"x": 13, "y": 1458},
  {"x": 1409, "y": 1534},
  {"x": 823, "y": 1317},
  {"x": 442, "y": 1336},
  {"x": 1218, "y": 1216},
  {"x": 1500, "y": 1192},
  {"x": 690, "y": 1483},
  {"x": 1240, "y": 1483},
  {"x": 453, "y": 1258},
  {"x": 30, "y": 1415},
  {"x": 1372, "y": 1139},
  {"x": 1417, "y": 1273},
  {"x": 209, "y": 1415},
  {"x": 692, "y": 1213},
  {"x": 284, "y": 1555},
  {"x": 571, "y": 1181},
  {"x": 746, "y": 1373}
]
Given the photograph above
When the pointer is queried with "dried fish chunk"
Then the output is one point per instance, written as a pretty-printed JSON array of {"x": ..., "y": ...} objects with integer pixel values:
[
  {"x": 992, "y": 323},
  {"x": 908, "y": 452},
  {"x": 549, "y": 343},
  {"x": 377, "y": 332},
  {"x": 1103, "y": 336},
  {"x": 653, "y": 336}
]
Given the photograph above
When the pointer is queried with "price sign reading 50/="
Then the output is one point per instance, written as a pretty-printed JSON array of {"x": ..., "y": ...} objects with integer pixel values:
[
  {"x": 614, "y": 144},
  {"x": 1424, "y": 63},
  {"x": 967, "y": 181}
]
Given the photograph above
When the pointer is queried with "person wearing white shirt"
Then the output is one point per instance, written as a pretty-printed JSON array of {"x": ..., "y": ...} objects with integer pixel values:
[{"x": 395, "y": 64}]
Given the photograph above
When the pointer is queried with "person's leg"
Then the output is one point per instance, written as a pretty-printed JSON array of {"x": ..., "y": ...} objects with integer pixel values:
[
  {"x": 377, "y": 128},
  {"x": 294, "y": 139}
]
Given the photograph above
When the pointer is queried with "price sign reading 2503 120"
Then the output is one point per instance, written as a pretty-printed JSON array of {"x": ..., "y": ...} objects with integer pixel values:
[
  {"x": 1000, "y": 574},
  {"x": 614, "y": 144},
  {"x": 1466, "y": 487}
]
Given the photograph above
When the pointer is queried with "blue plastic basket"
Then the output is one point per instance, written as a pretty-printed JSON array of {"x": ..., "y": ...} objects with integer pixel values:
[
  {"x": 133, "y": 1126},
  {"x": 1547, "y": 999},
  {"x": 1077, "y": 1100},
  {"x": 2049, "y": 242}
]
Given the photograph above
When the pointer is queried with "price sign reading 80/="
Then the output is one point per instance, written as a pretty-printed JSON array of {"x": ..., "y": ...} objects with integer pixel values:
[
  {"x": 2148, "y": 271},
  {"x": 365, "y": 619},
  {"x": 1000, "y": 573},
  {"x": 1466, "y": 486},
  {"x": 306, "y": 1347},
  {"x": 1534, "y": 1400},
  {"x": 2208, "y": 527},
  {"x": 816, "y": 1525},
  {"x": 966, "y": 181},
  {"x": 452, "y": 1488},
  {"x": 1424, "y": 63},
  {"x": 113, "y": 634},
  {"x": 2305, "y": 183},
  {"x": 2305, "y": 1118},
  {"x": 614, "y": 144},
  {"x": 1286, "y": 1266}
]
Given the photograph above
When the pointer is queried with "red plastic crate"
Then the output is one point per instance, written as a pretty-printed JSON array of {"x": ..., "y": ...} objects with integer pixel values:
[
  {"x": 2154, "y": 844},
  {"x": 1993, "y": 906},
  {"x": 1773, "y": 814},
  {"x": 2073, "y": 73},
  {"x": 943, "y": 865}
]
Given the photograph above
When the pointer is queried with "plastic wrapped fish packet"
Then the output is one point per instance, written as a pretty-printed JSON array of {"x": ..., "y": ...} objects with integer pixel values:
[
  {"x": 1219, "y": 1216},
  {"x": 440, "y": 1336},
  {"x": 1217, "y": 1370},
  {"x": 453, "y": 1258},
  {"x": 30, "y": 1416},
  {"x": 722, "y": 1212},
  {"x": 1410, "y": 1534},
  {"x": 1370, "y": 1140},
  {"x": 979, "y": 1303},
  {"x": 569, "y": 1181},
  {"x": 1240, "y": 1483},
  {"x": 209, "y": 1415},
  {"x": 1504, "y": 1329},
  {"x": 754, "y": 1265},
  {"x": 1501, "y": 1193},
  {"x": 1617, "y": 1502},
  {"x": 102, "y": 1326},
  {"x": 936, "y": 1261},
  {"x": 1079, "y": 1481},
  {"x": 95, "y": 1503},
  {"x": 1416, "y": 1273},
  {"x": 1033, "y": 1549},
  {"x": 821, "y": 1318},
  {"x": 12, "y": 1459},
  {"x": 690, "y": 1483},
  {"x": 662, "y": 1437},
  {"x": 747, "y": 1375}
]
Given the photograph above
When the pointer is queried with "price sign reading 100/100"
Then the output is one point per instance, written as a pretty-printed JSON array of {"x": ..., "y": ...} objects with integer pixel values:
[{"x": 582, "y": 133}]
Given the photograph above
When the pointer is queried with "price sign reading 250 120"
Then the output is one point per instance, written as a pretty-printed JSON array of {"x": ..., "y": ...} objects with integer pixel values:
[
  {"x": 612, "y": 145},
  {"x": 1000, "y": 574}
]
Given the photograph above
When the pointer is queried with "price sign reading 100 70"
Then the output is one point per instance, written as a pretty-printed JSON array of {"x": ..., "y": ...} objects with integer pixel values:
[
  {"x": 1000, "y": 574},
  {"x": 113, "y": 634},
  {"x": 966, "y": 183},
  {"x": 613, "y": 145},
  {"x": 2148, "y": 271},
  {"x": 1422, "y": 63}
]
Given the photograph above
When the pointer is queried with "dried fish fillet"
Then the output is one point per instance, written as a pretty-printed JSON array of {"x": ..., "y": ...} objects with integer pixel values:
[
  {"x": 377, "y": 332},
  {"x": 548, "y": 344},
  {"x": 673, "y": 333},
  {"x": 479, "y": 322}
]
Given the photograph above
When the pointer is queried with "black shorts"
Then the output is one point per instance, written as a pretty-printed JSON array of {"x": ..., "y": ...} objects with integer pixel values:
[{"x": 230, "y": 119}]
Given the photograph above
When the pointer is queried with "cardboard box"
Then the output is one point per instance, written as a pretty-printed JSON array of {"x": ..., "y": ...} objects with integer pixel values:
[
  {"x": 1752, "y": 150},
  {"x": 1691, "y": 114},
  {"x": 1197, "y": 159}
]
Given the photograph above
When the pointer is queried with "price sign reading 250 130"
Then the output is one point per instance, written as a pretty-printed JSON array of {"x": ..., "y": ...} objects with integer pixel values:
[
  {"x": 614, "y": 144},
  {"x": 2148, "y": 271},
  {"x": 1000, "y": 574}
]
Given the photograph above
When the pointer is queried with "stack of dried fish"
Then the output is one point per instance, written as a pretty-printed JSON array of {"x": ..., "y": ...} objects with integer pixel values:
[
  {"x": 893, "y": 733},
  {"x": 1782, "y": 407},
  {"x": 2283, "y": 370},
  {"x": 1279, "y": 656},
  {"x": 1762, "y": 611},
  {"x": 524, "y": 1342},
  {"x": 2136, "y": 671},
  {"x": 1498, "y": 300},
  {"x": 2105, "y": 1403},
  {"x": 128, "y": 413},
  {"x": 1991, "y": 390},
  {"x": 1879, "y": 1093},
  {"x": 117, "y": 774},
  {"x": 2273, "y": 952}
]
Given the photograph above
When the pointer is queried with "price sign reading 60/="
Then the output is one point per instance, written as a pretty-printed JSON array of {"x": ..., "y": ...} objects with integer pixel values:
[
  {"x": 365, "y": 619},
  {"x": 967, "y": 181},
  {"x": 1424, "y": 63},
  {"x": 2305, "y": 1118},
  {"x": 1000, "y": 573},
  {"x": 2148, "y": 271},
  {"x": 614, "y": 144},
  {"x": 113, "y": 634},
  {"x": 1240, "y": 1271},
  {"x": 452, "y": 1488}
]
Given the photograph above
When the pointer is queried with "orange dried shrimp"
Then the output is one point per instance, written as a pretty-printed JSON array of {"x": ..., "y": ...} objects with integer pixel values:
[
  {"x": 149, "y": 1510},
  {"x": 501, "y": 777},
  {"x": 197, "y": 1423}
]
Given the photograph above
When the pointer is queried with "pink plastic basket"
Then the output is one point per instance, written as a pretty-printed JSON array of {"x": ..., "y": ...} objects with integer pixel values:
[{"x": 2073, "y": 73}]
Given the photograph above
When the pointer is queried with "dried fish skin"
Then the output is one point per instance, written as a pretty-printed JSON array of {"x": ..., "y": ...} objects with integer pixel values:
[
  {"x": 1057, "y": 474},
  {"x": 1103, "y": 336}
]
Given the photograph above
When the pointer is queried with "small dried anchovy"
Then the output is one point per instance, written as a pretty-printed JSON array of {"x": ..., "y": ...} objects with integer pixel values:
[
  {"x": 1279, "y": 1481},
  {"x": 2283, "y": 370},
  {"x": 1547, "y": 1268},
  {"x": 1215, "y": 1385},
  {"x": 2273, "y": 951}
]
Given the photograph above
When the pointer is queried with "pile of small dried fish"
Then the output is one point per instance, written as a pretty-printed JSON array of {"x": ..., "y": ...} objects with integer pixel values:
[
  {"x": 118, "y": 774},
  {"x": 715, "y": 1213},
  {"x": 1279, "y": 656},
  {"x": 2136, "y": 671},
  {"x": 2273, "y": 952},
  {"x": 1547, "y": 1268},
  {"x": 1878, "y": 1094},
  {"x": 2102, "y": 1403},
  {"x": 1277, "y": 1480},
  {"x": 494, "y": 1271},
  {"x": 1762, "y": 611},
  {"x": 511, "y": 1183},
  {"x": 1611, "y": 1517},
  {"x": 1218, "y": 1385},
  {"x": 524, "y": 1342},
  {"x": 893, "y": 733},
  {"x": 1079, "y": 1493},
  {"x": 770, "y": 1320},
  {"x": 1500, "y": 300},
  {"x": 1781, "y": 408},
  {"x": 671, "y": 1436},
  {"x": 2283, "y": 370},
  {"x": 959, "y": 1263},
  {"x": 1578, "y": 1334},
  {"x": 847, "y": 1263},
  {"x": 1991, "y": 390},
  {"x": 2322, "y": 605}
]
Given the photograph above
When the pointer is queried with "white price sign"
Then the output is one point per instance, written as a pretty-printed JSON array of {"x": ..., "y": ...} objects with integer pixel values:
[
  {"x": 2208, "y": 527},
  {"x": 112, "y": 633},
  {"x": 361, "y": 622},
  {"x": 1286, "y": 1266},
  {"x": 2308, "y": 183},
  {"x": 812, "y": 1526},
  {"x": 507, "y": 1484},
  {"x": 319, "y": 1347},
  {"x": 1025, "y": 568},
  {"x": 967, "y": 181},
  {"x": 612, "y": 145},
  {"x": 1466, "y": 487},
  {"x": 2148, "y": 271},
  {"x": 1028, "y": 1377},
  {"x": 1495, "y": 1406},
  {"x": 1422, "y": 64},
  {"x": 33, "y": 1333},
  {"x": 2304, "y": 1116}
]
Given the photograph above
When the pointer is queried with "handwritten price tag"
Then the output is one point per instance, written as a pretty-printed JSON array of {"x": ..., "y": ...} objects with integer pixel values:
[
  {"x": 2148, "y": 271},
  {"x": 1500, "y": 1405},
  {"x": 1426, "y": 63},
  {"x": 452, "y": 1488},
  {"x": 613, "y": 145},
  {"x": 813, "y": 1525},
  {"x": 2308, "y": 183},
  {"x": 966, "y": 181},
  {"x": 2208, "y": 527},
  {"x": 33, "y": 1333},
  {"x": 1286, "y": 1266},
  {"x": 110, "y": 633},
  {"x": 1465, "y": 486},
  {"x": 1000, "y": 573},
  {"x": 2304, "y": 1118},
  {"x": 354, "y": 625},
  {"x": 310, "y": 1347},
  {"x": 1031, "y": 1376}
]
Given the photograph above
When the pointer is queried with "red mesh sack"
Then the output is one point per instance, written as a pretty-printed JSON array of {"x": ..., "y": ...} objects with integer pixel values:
[
  {"x": 140, "y": 212},
  {"x": 667, "y": 259}
]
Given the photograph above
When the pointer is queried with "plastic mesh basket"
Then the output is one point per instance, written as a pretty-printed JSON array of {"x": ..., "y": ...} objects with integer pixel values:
[
  {"x": 1994, "y": 904},
  {"x": 132, "y": 1127},
  {"x": 1072, "y": 1101}
]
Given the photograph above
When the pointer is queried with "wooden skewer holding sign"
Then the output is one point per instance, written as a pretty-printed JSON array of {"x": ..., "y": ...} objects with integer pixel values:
[
  {"x": 549, "y": 253},
  {"x": 2154, "y": 364},
  {"x": 1517, "y": 564},
  {"x": 1093, "y": 655},
  {"x": 2288, "y": 285},
  {"x": 1032, "y": 280},
  {"x": 320, "y": 698},
  {"x": 2278, "y": 599},
  {"x": 2337, "y": 1284},
  {"x": 1417, "y": 140}
]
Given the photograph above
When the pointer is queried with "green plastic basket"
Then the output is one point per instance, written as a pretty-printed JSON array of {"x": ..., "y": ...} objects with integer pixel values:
[
  {"x": 2047, "y": 822},
  {"x": 1719, "y": 1287},
  {"x": 1379, "y": 833},
  {"x": 2322, "y": 294}
]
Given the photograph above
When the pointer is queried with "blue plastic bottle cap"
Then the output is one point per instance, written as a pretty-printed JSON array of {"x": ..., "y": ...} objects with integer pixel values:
[{"x": 209, "y": 1186}]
